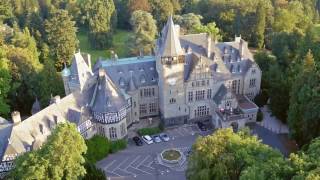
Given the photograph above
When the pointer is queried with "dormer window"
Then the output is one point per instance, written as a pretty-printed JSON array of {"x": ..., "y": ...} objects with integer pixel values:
[
  {"x": 142, "y": 79},
  {"x": 141, "y": 69},
  {"x": 41, "y": 129},
  {"x": 151, "y": 68},
  {"x": 121, "y": 82}
]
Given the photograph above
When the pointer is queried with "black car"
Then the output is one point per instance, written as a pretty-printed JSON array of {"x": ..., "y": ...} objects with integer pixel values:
[
  {"x": 137, "y": 140},
  {"x": 202, "y": 126}
]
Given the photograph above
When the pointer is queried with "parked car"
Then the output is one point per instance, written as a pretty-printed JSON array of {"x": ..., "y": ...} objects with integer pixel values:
[
  {"x": 164, "y": 137},
  {"x": 137, "y": 140},
  {"x": 202, "y": 126},
  {"x": 147, "y": 139},
  {"x": 156, "y": 139}
]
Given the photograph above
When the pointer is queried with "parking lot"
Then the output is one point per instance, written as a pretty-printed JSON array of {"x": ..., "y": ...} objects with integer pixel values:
[{"x": 140, "y": 162}]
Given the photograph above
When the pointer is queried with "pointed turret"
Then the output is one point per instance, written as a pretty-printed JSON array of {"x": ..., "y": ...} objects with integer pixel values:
[
  {"x": 35, "y": 107},
  {"x": 131, "y": 85},
  {"x": 170, "y": 46}
]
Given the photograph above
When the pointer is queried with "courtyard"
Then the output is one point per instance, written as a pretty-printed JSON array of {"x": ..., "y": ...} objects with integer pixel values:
[{"x": 141, "y": 162}]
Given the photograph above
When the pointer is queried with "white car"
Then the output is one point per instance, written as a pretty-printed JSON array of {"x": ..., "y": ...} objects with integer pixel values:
[
  {"x": 147, "y": 139},
  {"x": 164, "y": 137},
  {"x": 156, "y": 139}
]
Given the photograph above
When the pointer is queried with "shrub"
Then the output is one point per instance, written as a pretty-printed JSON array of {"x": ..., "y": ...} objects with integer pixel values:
[
  {"x": 261, "y": 99},
  {"x": 259, "y": 116},
  {"x": 118, "y": 145},
  {"x": 149, "y": 131},
  {"x": 98, "y": 148}
]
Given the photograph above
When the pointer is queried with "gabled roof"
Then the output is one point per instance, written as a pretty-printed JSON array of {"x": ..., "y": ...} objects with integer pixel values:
[
  {"x": 222, "y": 91},
  {"x": 170, "y": 45}
]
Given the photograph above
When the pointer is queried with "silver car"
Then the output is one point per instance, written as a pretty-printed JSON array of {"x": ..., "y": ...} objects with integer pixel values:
[
  {"x": 164, "y": 137},
  {"x": 156, "y": 139}
]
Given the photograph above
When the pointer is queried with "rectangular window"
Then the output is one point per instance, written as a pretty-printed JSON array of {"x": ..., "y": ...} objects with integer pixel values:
[
  {"x": 152, "y": 107},
  {"x": 201, "y": 111},
  {"x": 234, "y": 86},
  {"x": 252, "y": 83},
  {"x": 200, "y": 95},
  {"x": 141, "y": 92},
  {"x": 190, "y": 96},
  {"x": 209, "y": 94},
  {"x": 143, "y": 109}
]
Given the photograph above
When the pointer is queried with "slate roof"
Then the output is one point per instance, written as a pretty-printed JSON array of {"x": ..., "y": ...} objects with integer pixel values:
[
  {"x": 170, "y": 44},
  {"x": 222, "y": 91},
  {"x": 26, "y": 135},
  {"x": 143, "y": 72},
  {"x": 106, "y": 96},
  {"x": 79, "y": 69}
]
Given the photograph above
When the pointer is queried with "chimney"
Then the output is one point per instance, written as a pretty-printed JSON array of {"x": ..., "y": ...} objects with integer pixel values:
[
  {"x": 101, "y": 72},
  {"x": 55, "y": 99},
  {"x": 208, "y": 45},
  {"x": 242, "y": 46},
  {"x": 16, "y": 118}
]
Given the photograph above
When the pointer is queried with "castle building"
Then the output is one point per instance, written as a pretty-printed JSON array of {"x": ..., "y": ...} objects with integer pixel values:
[{"x": 190, "y": 78}]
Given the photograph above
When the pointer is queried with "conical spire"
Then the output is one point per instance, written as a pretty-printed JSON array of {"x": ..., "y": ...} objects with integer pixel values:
[
  {"x": 170, "y": 45},
  {"x": 131, "y": 86}
]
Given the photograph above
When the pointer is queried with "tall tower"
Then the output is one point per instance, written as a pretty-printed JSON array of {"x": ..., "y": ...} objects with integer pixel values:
[
  {"x": 66, "y": 77},
  {"x": 170, "y": 67}
]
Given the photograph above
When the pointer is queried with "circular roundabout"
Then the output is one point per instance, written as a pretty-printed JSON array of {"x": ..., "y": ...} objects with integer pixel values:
[
  {"x": 171, "y": 155},
  {"x": 172, "y": 158}
]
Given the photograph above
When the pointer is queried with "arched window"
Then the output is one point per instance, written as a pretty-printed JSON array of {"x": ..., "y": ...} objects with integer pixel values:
[{"x": 113, "y": 133}]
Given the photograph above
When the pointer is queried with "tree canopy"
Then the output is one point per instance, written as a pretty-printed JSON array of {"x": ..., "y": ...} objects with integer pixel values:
[
  {"x": 61, "y": 157},
  {"x": 145, "y": 31},
  {"x": 229, "y": 155}
]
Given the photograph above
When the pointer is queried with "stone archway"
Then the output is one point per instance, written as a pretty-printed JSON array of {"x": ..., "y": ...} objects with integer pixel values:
[{"x": 235, "y": 126}]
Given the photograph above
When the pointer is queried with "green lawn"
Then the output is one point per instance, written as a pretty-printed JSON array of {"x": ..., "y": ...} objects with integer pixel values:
[{"x": 120, "y": 41}]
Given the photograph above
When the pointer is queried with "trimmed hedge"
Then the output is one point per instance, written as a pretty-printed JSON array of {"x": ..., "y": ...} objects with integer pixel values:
[
  {"x": 149, "y": 131},
  {"x": 118, "y": 145},
  {"x": 259, "y": 116},
  {"x": 99, "y": 147}
]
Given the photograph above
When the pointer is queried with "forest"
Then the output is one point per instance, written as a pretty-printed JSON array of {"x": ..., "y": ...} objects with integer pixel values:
[{"x": 37, "y": 37}]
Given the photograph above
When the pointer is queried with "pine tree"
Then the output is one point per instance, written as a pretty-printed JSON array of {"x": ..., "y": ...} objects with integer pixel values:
[{"x": 61, "y": 37}]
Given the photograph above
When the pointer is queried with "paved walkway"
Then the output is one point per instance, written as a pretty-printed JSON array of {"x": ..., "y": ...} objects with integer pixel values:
[{"x": 272, "y": 123}]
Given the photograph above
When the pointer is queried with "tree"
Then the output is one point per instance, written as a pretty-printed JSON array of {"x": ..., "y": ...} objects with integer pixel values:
[
  {"x": 303, "y": 115},
  {"x": 260, "y": 25},
  {"x": 100, "y": 16},
  {"x": 6, "y": 11},
  {"x": 161, "y": 10},
  {"x": 61, "y": 37},
  {"x": 228, "y": 155},
  {"x": 188, "y": 22},
  {"x": 145, "y": 30},
  {"x": 5, "y": 80},
  {"x": 24, "y": 65},
  {"x": 305, "y": 164},
  {"x": 211, "y": 29},
  {"x": 61, "y": 157},
  {"x": 142, "y": 5},
  {"x": 50, "y": 81}
]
